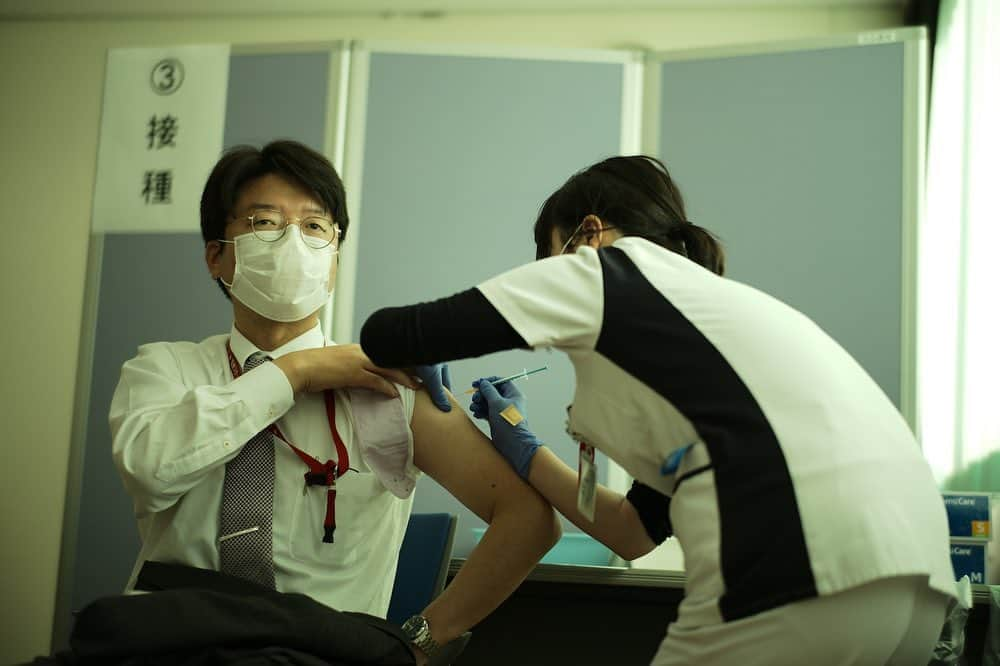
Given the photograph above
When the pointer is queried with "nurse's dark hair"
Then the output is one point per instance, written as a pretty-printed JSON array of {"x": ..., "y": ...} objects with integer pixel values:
[
  {"x": 637, "y": 196},
  {"x": 242, "y": 165}
]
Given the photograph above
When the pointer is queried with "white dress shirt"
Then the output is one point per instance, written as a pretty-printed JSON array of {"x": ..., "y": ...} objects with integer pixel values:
[{"x": 178, "y": 416}]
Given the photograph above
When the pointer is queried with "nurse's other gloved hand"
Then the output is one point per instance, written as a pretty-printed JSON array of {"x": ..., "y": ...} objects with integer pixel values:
[
  {"x": 505, "y": 408},
  {"x": 436, "y": 379}
]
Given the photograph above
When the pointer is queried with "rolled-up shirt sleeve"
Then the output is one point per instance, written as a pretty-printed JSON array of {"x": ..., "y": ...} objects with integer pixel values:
[{"x": 167, "y": 435}]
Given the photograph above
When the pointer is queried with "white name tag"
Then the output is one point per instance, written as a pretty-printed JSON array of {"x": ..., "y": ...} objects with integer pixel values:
[{"x": 586, "y": 493}]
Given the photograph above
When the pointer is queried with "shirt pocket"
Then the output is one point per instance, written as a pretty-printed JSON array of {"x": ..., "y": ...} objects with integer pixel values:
[
  {"x": 306, "y": 543},
  {"x": 305, "y": 536}
]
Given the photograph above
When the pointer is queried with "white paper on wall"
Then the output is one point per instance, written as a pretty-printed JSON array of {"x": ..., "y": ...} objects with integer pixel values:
[{"x": 161, "y": 133}]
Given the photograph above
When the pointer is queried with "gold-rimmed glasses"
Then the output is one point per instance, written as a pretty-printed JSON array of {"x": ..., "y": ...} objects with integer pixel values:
[{"x": 318, "y": 232}]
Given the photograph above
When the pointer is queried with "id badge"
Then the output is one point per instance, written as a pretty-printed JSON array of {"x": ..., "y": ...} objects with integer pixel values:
[{"x": 586, "y": 492}]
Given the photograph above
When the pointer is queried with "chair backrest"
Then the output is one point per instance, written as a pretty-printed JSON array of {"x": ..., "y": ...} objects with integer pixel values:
[{"x": 423, "y": 564}]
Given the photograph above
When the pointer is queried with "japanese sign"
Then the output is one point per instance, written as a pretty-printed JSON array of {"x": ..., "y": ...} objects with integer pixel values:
[{"x": 161, "y": 133}]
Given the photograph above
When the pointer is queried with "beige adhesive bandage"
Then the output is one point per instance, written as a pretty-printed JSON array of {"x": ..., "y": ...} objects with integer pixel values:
[{"x": 511, "y": 415}]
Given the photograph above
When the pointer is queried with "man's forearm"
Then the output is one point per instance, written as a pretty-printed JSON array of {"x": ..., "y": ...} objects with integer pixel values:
[
  {"x": 616, "y": 523},
  {"x": 520, "y": 533}
]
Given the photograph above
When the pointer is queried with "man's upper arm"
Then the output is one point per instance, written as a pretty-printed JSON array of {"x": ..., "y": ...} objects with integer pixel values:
[{"x": 454, "y": 452}]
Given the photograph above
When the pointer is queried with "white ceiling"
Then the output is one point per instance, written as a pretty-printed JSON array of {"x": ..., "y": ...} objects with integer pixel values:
[{"x": 146, "y": 8}]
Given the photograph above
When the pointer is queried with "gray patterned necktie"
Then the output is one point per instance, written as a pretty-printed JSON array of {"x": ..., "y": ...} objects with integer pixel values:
[{"x": 247, "y": 506}]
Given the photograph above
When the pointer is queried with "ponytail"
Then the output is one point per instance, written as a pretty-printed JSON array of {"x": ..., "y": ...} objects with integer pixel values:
[
  {"x": 700, "y": 246},
  {"x": 635, "y": 195}
]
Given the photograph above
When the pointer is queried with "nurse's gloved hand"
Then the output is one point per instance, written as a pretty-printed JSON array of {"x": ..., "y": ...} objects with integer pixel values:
[
  {"x": 505, "y": 408},
  {"x": 436, "y": 378}
]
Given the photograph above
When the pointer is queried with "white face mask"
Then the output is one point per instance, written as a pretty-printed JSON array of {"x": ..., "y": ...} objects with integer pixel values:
[{"x": 285, "y": 280}]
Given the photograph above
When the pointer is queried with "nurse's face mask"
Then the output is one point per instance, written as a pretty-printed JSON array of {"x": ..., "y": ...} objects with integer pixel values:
[{"x": 283, "y": 265}]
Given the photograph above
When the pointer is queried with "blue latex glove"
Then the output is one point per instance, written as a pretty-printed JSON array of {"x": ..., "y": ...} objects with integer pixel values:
[
  {"x": 436, "y": 379},
  {"x": 514, "y": 442}
]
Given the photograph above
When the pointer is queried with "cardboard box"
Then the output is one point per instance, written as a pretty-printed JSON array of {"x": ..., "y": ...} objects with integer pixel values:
[
  {"x": 971, "y": 558},
  {"x": 968, "y": 515}
]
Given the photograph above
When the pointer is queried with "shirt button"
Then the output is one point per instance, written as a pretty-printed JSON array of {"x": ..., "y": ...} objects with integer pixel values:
[{"x": 227, "y": 444}]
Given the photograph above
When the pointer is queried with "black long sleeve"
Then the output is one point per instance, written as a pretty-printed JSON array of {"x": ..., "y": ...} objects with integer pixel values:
[{"x": 459, "y": 326}]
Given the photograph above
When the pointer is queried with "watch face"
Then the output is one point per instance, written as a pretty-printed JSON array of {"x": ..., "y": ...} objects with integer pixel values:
[{"x": 415, "y": 627}]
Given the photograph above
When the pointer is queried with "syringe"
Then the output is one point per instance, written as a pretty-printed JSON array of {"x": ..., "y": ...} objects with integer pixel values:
[{"x": 518, "y": 375}]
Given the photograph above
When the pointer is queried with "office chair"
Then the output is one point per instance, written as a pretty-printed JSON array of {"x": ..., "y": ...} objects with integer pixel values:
[
  {"x": 423, "y": 564},
  {"x": 422, "y": 572}
]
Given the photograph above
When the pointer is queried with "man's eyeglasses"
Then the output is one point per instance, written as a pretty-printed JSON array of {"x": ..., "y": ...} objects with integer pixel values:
[{"x": 317, "y": 232}]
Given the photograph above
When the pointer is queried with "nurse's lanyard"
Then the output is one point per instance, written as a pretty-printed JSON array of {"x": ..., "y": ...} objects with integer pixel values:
[
  {"x": 586, "y": 483},
  {"x": 319, "y": 473}
]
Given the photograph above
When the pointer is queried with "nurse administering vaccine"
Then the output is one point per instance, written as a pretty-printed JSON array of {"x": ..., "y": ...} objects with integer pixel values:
[{"x": 812, "y": 528}]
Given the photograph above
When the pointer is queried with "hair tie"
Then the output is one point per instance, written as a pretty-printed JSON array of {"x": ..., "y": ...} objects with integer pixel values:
[{"x": 677, "y": 231}]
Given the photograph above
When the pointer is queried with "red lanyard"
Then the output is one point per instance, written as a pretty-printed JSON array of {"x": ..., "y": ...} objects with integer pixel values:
[{"x": 319, "y": 473}]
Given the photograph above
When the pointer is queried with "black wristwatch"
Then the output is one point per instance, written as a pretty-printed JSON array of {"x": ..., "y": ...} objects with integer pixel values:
[{"x": 419, "y": 632}]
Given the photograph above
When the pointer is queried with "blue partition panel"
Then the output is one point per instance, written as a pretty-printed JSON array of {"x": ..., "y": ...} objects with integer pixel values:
[
  {"x": 795, "y": 160},
  {"x": 460, "y": 153}
]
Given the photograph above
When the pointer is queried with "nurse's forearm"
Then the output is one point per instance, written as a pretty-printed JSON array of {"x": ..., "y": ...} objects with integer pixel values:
[
  {"x": 616, "y": 522},
  {"x": 460, "y": 326}
]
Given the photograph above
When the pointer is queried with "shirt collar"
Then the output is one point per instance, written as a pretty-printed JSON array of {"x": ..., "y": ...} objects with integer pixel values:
[{"x": 243, "y": 348}]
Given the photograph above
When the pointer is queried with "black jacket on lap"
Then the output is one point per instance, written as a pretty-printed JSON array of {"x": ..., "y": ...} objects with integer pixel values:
[{"x": 192, "y": 626}]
